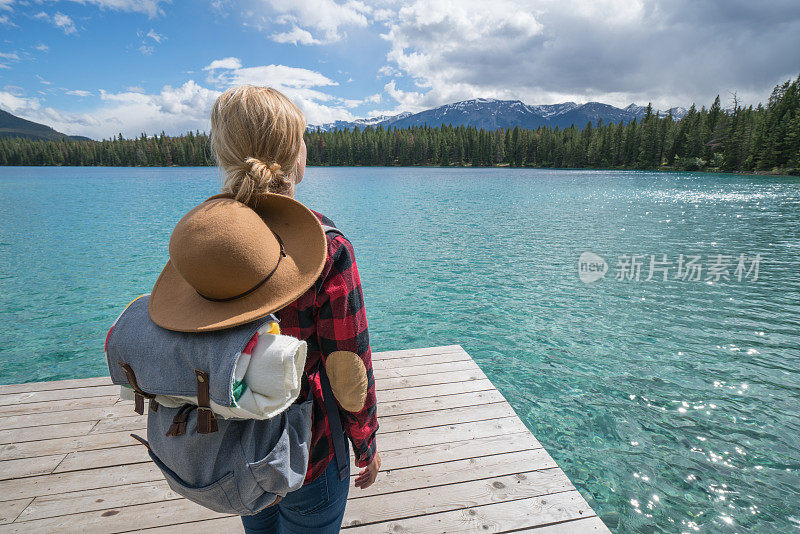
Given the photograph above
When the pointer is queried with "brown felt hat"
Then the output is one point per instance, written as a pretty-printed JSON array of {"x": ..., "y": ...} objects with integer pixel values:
[{"x": 231, "y": 263}]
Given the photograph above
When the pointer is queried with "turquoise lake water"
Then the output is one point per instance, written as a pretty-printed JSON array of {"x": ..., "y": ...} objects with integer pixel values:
[{"x": 672, "y": 405}]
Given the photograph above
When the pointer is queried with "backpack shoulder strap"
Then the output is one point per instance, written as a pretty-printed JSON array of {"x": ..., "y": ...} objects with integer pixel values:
[
  {"x": 331, "y": 229},
  {"x": 340, "y": 447},
  {"x": 328, "y": 230}
]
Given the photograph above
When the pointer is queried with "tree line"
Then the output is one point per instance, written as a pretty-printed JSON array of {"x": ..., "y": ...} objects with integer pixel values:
[{"x": 746, "y": 139}]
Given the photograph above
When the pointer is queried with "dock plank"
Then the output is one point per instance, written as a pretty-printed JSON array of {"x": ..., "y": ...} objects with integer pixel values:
[
  {"x": 495, "y": 517},
  {"x": 57, "y": 394},
  {"x": 26, "y": 467},
  {"x": 36, "y": 433},
  {"x": 58, "y": 384},
  {"x": 455, "y": 458},
  {"x": 420, "y": 361},
  {"x": 10, "y": 510},
  {"x": 58, "y": 405},
  {"x": 57, "y": 417},
  {"x": 444, "y": 498},
  {"x": 427, "y": 351}
]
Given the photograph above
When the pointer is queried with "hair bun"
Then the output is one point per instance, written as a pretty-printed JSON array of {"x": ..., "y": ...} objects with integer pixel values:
[
  {"x": 256, "y": 166},
  {"x": 263, "y": 171}
]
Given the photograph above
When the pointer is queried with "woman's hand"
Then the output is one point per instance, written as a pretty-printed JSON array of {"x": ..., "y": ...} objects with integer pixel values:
[{"x": 367, "y": 475}]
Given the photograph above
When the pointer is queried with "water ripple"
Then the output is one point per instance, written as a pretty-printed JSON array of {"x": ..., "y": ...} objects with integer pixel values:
[{"x": 674, "y": 406}]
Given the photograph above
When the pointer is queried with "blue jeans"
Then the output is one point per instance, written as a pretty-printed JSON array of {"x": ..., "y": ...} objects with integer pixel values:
[{"x": 317, "y": 507}]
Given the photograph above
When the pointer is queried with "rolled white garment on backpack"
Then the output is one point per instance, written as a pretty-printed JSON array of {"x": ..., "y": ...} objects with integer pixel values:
[{"x": 272, "y": 373}]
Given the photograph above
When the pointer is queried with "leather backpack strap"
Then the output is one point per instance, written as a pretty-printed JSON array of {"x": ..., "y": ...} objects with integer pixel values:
[
  {"x": 139, "y": 395},
  {"x": 178, "y": 426},
  {"x": 141, "y": 440},
  {"x": 206, "y": 420}
]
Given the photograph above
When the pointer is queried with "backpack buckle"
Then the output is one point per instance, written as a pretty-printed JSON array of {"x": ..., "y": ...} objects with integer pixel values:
[
  {"x": 206, "y": 419},
  {"x": 178, "y": 426}
]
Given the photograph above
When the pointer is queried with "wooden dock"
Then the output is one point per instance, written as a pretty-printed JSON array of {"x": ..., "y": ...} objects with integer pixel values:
[{"x": 455, "y": 458}]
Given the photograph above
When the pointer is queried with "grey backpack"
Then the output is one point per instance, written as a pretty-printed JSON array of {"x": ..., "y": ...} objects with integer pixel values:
[{"x": 235, "y": 466}]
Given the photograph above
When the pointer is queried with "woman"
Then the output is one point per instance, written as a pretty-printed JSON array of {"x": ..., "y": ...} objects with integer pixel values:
[{"x": 257, "y": 136}]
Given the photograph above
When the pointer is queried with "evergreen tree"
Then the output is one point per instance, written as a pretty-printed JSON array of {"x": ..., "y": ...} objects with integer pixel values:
[{"x": 739, "y": 139}]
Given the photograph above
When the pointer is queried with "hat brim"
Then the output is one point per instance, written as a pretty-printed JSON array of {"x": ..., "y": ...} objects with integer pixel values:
[{"x": 175, "y": 305}]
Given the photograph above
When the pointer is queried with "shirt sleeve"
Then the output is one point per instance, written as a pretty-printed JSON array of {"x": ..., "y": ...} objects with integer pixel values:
[{"x": 342, "y": 326}]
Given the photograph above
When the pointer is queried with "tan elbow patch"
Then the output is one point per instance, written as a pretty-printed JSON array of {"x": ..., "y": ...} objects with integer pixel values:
[{"x": 348, "y": 377}]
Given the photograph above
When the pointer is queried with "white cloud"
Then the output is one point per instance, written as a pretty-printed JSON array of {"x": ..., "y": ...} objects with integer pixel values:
[
  {"x": 42, "y": 47},
  {"x": 458, "y": 49},
  {"x": 5, "y": 5},
  {"x": 147, "y": 47},
  {"x": 9, "y": 55},
  {"x": 388, "y": 70},
  {"x": 16, "y": 103},
  {"x": 273, "y": 75},
  {"x": 174, "y": 109},
  {"x": 151, "y": 8},
  {"x": 186, "y": 107},
  {"x": 295, "y": 36},
  {"x": 64, "y": 22},
  {"x": 316, "y": 21},
  {"x": 300, "y": 85},
  {"x": 59, "y": 20},
  {"x": 670, "y": 52},
  {"x": 157, "y": 37},
  {"x": 225, "y": 63}
]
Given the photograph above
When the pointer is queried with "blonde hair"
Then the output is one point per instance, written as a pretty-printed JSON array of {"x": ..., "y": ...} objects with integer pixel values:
[{"x": 256, "y": 134}]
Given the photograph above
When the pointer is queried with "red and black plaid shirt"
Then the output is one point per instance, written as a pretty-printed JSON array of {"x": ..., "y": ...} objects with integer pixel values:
[{"x": 329, "y": 317}]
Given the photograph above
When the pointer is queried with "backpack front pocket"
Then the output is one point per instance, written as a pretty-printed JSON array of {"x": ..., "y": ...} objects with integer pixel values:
[
  {"x": 283, "y": 469},
  {"x": 221, "y": 496}
]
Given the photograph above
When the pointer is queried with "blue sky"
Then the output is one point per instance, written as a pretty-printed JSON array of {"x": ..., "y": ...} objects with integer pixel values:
[{"x": 98, "y": 67}]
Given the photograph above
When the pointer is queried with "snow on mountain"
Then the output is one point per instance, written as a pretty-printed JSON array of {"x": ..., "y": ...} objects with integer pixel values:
[
  {"x": 492, "y": 114},
  {"x": 678, "y": 112},
  {"x": 383, "y": 120}
]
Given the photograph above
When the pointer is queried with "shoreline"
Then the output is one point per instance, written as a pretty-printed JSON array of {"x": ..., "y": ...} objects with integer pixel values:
[{"x": 786, "y": 173}]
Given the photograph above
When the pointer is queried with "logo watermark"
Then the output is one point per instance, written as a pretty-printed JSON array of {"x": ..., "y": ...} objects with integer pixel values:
[
  {"x": 591, "y": 267},
  {"x": 662, "y": 268}
]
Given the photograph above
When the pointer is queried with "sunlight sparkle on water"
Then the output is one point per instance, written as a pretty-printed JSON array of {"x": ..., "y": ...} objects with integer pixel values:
[{"x": 664, "y": 377}]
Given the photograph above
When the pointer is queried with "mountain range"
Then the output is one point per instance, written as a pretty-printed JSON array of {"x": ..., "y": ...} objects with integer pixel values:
[
  {"x": 13, "y": 126},
  {"x": 492, "y": 114},
  {"x": 486, "y": 113}
]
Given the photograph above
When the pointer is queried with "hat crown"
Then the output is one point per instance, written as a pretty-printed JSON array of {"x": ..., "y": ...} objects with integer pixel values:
[{"x": 222, "y": 248}]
